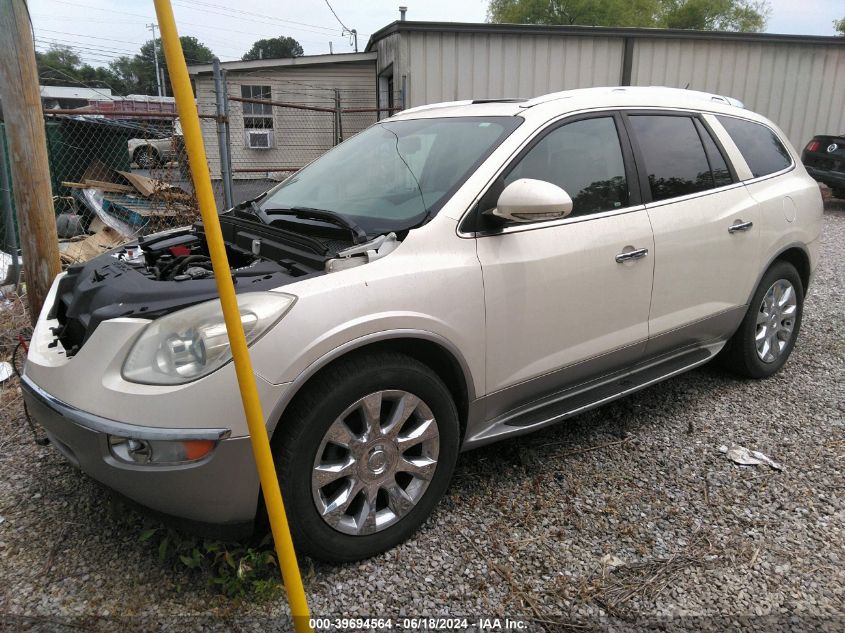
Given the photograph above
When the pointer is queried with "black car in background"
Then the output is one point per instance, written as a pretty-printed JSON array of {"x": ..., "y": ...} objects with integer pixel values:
[{"x": 824, "y": 158}]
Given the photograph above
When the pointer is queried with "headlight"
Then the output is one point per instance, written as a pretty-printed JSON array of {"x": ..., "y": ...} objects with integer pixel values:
[{"x": 192, "y": 343}]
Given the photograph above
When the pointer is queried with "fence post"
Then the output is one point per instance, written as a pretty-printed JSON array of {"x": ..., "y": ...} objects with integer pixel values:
[
  {"x": 223, "y": 133},
  {"x": 338, "y": 118},
  {"x": 228, "y": 138}
]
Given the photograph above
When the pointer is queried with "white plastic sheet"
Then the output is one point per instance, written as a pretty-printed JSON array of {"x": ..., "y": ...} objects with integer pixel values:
[{"x": 747, "y": 457}]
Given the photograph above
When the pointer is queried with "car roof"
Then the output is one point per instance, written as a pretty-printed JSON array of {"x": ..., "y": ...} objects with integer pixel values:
[{"x": 582, "y": 98}]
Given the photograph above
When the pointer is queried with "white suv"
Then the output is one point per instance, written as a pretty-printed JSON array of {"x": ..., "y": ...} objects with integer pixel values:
[{"x": 454, "y": 275}]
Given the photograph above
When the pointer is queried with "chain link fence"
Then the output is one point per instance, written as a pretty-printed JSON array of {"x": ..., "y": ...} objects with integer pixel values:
[
  {"x": 118, "y": 175},
  {"x": 273, "y": 127}
]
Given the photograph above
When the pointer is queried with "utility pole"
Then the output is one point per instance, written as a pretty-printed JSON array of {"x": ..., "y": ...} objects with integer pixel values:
[
  {"x": 24, "y": 119},
  {"x": 152, "y": 27}
]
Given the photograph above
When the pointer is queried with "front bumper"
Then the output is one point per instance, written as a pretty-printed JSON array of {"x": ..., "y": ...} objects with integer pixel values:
[{"x": 217, "y": 495}]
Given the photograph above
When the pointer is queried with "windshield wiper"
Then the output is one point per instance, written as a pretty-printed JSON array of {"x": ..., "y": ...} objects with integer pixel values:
[{"x": 308, "y": 213}]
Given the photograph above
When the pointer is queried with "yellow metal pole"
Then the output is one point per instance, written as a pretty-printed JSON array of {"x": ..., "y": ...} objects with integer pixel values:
[{"x": 186, "y": 107}]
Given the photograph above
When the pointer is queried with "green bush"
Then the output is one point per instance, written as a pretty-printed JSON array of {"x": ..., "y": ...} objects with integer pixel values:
[{"x": 237, "y": 570}]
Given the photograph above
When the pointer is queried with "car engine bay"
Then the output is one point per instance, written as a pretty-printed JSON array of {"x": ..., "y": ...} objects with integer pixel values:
[{"x": 168, "y": 271}]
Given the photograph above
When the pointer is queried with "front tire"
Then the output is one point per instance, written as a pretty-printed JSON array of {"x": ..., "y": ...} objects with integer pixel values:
[
  {"x": 364, "y": 455},
  {"x": 767, "y": 334}
]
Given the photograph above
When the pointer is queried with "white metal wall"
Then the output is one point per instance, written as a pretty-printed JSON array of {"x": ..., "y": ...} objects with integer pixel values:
[
  {"x": 801, "y": 87},
  {"x": 453, "y": 66}
]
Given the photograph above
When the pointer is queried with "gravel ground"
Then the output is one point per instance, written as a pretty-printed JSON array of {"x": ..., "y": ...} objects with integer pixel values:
[{"x": 620, "y": 517}]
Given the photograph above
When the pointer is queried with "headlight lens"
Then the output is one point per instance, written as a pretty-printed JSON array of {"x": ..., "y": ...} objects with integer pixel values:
[{"x": 192, "y": 343}]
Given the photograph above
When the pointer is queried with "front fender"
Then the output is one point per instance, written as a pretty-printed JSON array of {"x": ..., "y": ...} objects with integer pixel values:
[{"x": 338, "y": 351}]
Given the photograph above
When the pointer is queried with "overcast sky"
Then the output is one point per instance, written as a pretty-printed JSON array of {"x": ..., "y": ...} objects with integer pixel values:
[{"x": 101, "y": 30}]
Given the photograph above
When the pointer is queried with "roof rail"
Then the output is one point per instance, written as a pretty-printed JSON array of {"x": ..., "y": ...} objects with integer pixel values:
[
  {"x": 692, "y": 94},
  {"x": 435, "y": 106},
  {"x": 502, "y": 100}
]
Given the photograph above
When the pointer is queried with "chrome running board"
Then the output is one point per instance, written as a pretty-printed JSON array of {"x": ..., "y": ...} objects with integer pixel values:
[{"x": 574, "y": 400}]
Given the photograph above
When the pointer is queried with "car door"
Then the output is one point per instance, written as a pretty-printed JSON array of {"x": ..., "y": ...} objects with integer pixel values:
[
  {"x": 566, "y": 300},
  {"x": 706, "y": 230}
]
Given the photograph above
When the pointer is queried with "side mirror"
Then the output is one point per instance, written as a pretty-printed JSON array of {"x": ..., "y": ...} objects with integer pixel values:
[{"x": 529, "y": 200}]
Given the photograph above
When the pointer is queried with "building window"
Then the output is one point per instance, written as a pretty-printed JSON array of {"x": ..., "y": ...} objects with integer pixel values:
[{"x": 258, "y": 117}]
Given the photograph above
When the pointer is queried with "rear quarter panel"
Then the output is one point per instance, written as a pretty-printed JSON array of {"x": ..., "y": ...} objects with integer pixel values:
[{"x": 791, "y": 210}]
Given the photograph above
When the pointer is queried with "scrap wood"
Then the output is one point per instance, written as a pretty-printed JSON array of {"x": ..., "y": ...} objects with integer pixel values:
[
  {"x": 97, "y": 170},
  {"x": 96, "y": 225},
  {"x": 93, "y": 245},
  {"x": 111, "y": 187},
  {"x": 155, "y": 188},
  {"x": 146, "y": 186}
]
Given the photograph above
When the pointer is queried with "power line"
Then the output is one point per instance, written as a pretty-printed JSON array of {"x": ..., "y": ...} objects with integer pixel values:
[
  {"x": 352, "y": 32},
  {"x": 339, "y": 21},
  {"x": 88, "y": 6},
  {"x": 103, "y": 51},
  {"x": 66, "y": 18},
  {"x": 79, "y": 81},
  {"x": 91, "y": 37},
  {"x": 148, "y": 17},
  {"x": 82, "y": 47},
  {"x": 111, "y": 39},
  {"x": 208, "y": 5}
]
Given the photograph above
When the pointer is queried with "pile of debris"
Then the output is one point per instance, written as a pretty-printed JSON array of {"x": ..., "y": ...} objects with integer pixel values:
[{"x": 112, "y": 207}]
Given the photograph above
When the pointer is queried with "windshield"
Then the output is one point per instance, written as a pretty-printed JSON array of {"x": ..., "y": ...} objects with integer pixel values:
[{"x": 395, "y": 174}]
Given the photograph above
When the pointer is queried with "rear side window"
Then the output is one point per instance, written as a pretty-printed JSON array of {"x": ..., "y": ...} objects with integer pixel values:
[
  {"x": 585, "y": 159},
  {"x": 674, "y": 155},
  {"x": 721, "y": 173},
  {"x": 760, "y": 147}
]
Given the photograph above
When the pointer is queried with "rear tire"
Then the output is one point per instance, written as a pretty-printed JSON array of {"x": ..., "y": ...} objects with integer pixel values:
[
  {"x": 394, "y": 472},
  {"x": 767, "y": 334},
  {"x": 839, "y": 194}
]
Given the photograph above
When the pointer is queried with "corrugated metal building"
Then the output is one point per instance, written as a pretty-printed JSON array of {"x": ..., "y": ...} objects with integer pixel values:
[{"x": 797, "y": 81}]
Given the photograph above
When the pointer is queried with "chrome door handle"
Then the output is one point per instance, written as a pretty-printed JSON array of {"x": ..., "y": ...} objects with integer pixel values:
[
  {"x": 639, "y": 253},
  {"x": 740, "y": 226}
]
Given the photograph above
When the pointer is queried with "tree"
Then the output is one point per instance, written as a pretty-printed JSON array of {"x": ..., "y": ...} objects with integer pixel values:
[
  {"x": 62, "y": 66},
  {"x": 586, "y": 12},
  {"x": 715, "y": 15},
  {"x": 137, "y": 73},
  {"x": 722, "y": 15},
  {"x": 839, "y": 26},
  {"x": 274, "y": 48}
]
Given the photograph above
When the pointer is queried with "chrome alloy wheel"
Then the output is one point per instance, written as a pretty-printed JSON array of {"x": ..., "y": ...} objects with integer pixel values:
[
  {"x": 776, "y": 320},
  {"x": 375, "y": 462}
]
